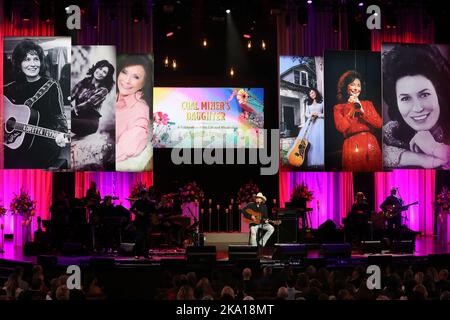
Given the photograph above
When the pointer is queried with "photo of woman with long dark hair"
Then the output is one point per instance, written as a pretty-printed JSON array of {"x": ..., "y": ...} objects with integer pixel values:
[
  {"x": 93, "y": 91},
  {"x": 88, "y": 96},
  {"x": 35, "y": 99},
  {"x": 416, "y": 91},
  {"x": 357, "y": 119},
  {"x": 134, "y": 96}
]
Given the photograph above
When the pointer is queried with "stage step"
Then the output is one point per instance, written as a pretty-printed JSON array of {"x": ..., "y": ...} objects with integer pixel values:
[{"x": 224, "y": 239}]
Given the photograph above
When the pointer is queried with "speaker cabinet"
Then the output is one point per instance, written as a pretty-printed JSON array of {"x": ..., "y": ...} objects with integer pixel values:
[
  {"x": 403, "y": 246},
  {"x": 371, "y": 246},
  {"x": 201, "y": 255},
  {"x": 289, "y": 251},
  {"x": 126, "y": 249},
  {"x": 242, "y": 253}
]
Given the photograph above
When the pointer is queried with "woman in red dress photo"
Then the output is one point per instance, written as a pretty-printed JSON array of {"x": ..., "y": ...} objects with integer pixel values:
[{"x": 357, "y": 120}]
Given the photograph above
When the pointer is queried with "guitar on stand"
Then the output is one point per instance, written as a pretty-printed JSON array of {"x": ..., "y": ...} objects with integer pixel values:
[{"x": 296, "y": 156}]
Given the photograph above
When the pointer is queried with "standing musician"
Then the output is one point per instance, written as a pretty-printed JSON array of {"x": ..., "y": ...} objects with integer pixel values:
[
  {"x": 393, "y": 202},
  {"x": 260, "y": 208},
  {"x": 92, "y": 200},
  {"x": 358, "y": 217},
  {"x": 142, "y": 209}
]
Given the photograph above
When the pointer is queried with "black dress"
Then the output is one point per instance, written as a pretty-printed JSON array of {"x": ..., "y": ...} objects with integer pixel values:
[{"x": 44, "y": 152}]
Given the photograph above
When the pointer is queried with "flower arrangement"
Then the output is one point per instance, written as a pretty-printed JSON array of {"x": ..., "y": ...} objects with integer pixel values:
[
  {"x": 2, "y": 211},
  {"x": 22, "y": 204},
  {"x": 247, "y": 192},
  {"x": 161, "y": 129},
  {"x": 301, "y": 193},
  {"x": 191, "y": 192}
]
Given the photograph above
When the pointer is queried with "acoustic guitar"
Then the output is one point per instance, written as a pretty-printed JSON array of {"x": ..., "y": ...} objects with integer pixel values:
[
  {"x": 296, "y": 155},
  {"x": 391, "y": 211},
  {"x": 21, "y": 126},
  {"x": 258, "y": 219}
]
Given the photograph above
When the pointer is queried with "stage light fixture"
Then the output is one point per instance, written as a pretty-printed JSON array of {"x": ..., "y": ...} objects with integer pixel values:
[
  {"x": 309, "y": 1},
  {"x": 166, "y": 61},
  {"x": 205, "y": 43},
  {"x": 169, "y": 34},
  {"x": 247, "y": 36},
  {"x": 174, "y": 64},
  {"x": 228, "y": 11},
  {"x": 263, "y": 45},
  {"x": 232, "y": 72},
  {"x": 360, "y": 4},
  {"x": 249, "y": 45}
]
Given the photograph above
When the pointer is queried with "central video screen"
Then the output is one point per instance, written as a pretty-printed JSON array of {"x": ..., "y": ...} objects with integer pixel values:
[{"x": 208, "y": 117}]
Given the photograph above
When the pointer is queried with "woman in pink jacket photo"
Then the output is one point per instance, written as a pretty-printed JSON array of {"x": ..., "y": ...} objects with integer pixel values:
[{"x": 133, "y": 129}]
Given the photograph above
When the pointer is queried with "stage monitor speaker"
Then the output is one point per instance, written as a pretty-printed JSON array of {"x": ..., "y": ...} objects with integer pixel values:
[
  {"x": 371, "y": 246},
  {"x": 242, "y": 253},
  {"x": 336, "y": 250},
  {"x": 126, "y": 249},
  {"x": 73, "y": 249},
  {"x": 289, "y": 251},
  {"x": 288, "y": 230},
  {"x": 205, "y": 254},
  {"x": 101, "y": 262},
  {"x": 47, "y": 261},
  {"x": 439, "y": 260},
  {"x": 403, "y": 246}
]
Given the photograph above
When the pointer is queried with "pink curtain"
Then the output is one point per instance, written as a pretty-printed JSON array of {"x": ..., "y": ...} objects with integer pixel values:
[
  {"x": 111, "y": 183},
  {"x": 413, "y": 185},
  {"x": 333, "y": 193},
  {"x": 37, "y": 183},
  {"x": 412, "y": 27}
]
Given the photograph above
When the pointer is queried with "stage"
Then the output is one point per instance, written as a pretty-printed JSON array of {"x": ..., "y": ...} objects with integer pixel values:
[{"x": 424, "y": 246}]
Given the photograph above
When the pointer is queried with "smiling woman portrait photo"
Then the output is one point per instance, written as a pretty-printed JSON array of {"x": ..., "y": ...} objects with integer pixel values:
[{"x": 416, "y": 83}]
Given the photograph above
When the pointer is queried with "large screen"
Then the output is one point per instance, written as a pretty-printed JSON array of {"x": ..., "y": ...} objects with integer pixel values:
[{"x": 207, "y": 117}]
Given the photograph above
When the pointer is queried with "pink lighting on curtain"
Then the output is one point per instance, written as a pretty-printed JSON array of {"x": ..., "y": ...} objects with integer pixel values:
[
  {"x": 111, "y": 183},
  {"x": 333, "y": 193},
  {"x": 413, "y": 185},
  {"x": 37, "y": 183}
]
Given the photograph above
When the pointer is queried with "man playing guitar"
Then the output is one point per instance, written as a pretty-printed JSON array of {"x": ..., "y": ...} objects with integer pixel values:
[
  {"x": 258, "y": 211},
  {"x": 393, "y": 203}
]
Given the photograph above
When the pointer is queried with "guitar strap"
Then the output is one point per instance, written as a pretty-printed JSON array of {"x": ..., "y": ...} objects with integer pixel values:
[{"x": 42, "y": 90}]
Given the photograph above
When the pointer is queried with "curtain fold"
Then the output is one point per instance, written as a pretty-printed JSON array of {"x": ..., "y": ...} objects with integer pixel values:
[{"x": 333, "y": 193}]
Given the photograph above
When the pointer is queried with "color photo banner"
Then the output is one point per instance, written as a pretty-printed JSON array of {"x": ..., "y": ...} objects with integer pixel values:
[{"x": 207, "y": 117}]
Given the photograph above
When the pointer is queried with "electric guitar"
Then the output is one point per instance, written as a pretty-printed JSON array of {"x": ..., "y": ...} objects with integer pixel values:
[
  {"x": 258, "y": 219},
  {"x": 296, "y": 155},
  {"x": 391, "y": 211},
  {"x": 21, "y": 125}
]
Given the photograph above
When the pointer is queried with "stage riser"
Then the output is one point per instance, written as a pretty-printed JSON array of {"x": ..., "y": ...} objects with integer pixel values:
[{"x": 223, "y": 239}]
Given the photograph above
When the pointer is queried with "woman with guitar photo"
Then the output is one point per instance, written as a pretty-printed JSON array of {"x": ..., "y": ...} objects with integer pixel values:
[
  {"x": 88, "y": 96},
  {"x": 256, "y": 214},
  {"x": 310, "y": 142},
  {"x": 34, "y": 122}
]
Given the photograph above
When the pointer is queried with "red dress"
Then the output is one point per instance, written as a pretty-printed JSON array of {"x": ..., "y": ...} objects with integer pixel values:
[{"x": 360, "y": 151}]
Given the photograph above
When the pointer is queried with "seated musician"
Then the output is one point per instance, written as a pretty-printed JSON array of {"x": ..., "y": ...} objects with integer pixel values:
[
  {"x": 260, "y": 208},
  {"x": 162, "y": 221},
  {"x": 393, "y": 202},
  {"x": 358, "y": 218}
]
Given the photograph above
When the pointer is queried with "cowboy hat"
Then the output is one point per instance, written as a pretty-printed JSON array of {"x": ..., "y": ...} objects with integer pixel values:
[{"x": 260, "y": 195}]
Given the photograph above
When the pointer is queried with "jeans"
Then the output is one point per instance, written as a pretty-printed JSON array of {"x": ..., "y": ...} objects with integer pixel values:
[{"x": 254, "y": 230}]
